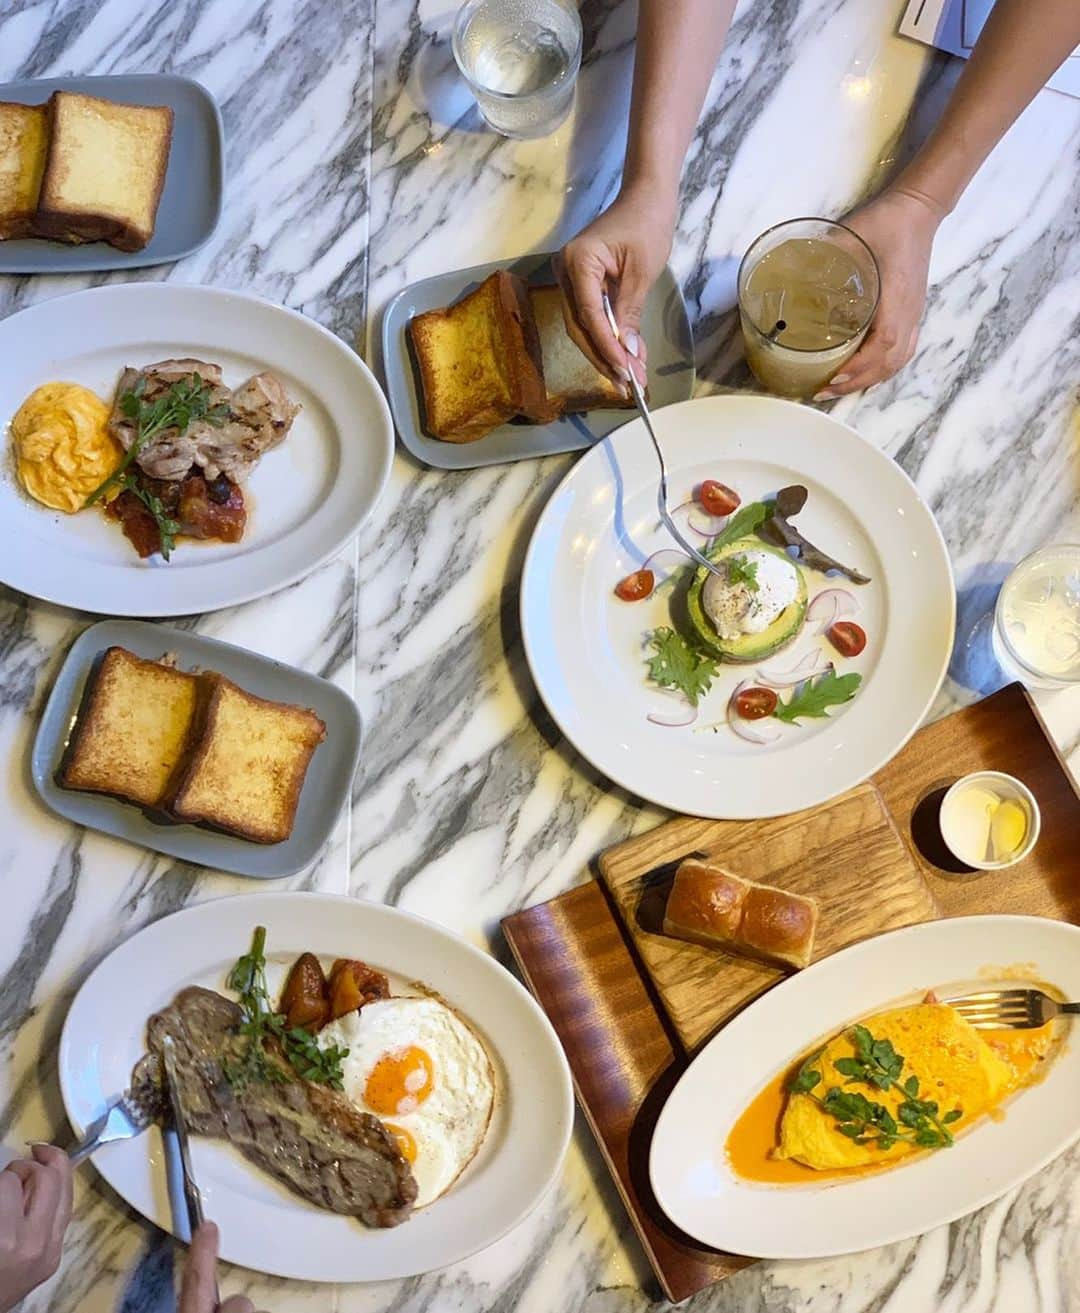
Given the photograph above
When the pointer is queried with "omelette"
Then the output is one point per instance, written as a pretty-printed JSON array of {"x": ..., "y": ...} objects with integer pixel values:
[{"x": 790, "y": 1135}]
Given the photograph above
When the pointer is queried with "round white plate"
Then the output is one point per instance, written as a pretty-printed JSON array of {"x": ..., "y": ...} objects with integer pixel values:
[
  {"x": 694, "y": 1183},
  {"x": 264, "y": 1226},
  {"x": 306, "y": 498},
  {"x": 585, "y": 647}
]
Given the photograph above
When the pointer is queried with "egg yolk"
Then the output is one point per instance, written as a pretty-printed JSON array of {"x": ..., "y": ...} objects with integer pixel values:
[
  {"x": 405, "y": 1142},
  {"x": 399, "y": 1082}
]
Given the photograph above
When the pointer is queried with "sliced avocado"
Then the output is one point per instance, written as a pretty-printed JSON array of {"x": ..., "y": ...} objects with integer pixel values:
[{"x": 748, "y": 647}]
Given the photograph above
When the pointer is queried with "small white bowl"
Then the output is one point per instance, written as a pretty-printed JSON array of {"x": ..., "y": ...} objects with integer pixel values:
[{"x": 1007, "y": 787}]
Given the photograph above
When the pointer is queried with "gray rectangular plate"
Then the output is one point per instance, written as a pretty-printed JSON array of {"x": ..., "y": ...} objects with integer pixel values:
[
  {"x": 194, "y": 184},
  {"x": 326, "y": 787},
  {"x": 665, "y": 326}
]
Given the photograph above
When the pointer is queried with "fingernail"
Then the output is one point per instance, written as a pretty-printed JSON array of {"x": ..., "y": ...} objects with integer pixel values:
[
  {"x": 623, "y": 373},
  {"x": 632, "y": 342},
  {"x": 839, "y": 378},
  {"x": 826, "y": 394}
]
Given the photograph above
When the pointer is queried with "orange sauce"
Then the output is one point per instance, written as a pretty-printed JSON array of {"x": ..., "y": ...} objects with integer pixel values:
[{"x": 756, "y": 1134}]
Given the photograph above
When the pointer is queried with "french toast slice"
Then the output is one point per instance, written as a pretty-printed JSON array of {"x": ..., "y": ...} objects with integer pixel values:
[
  {"x": 24, "y": 141},
  {"x": 479, "y": 362},
  {"x": 573, "y": 382},
  {"x": 132, "y": 730},
  {"x": 247, "y": 763},
  {"x": 104, "y": 171}
]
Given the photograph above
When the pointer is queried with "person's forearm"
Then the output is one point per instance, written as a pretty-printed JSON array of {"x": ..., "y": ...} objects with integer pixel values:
[
  {"x": 678, "y": 44},
  {"x": 1022, "y": 43}
]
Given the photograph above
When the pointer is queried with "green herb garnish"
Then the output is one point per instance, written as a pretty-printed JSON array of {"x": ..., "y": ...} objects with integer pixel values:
[
  {"x": 167, "y": 528},
  {"x": 679, "y": 665},
  {"x": 742, "y": 524},
  {"x": 183, "y": 402},
  {"x": 877, "y": 1064},
  {"x": 741, "y": 570},
  {"x": 816, "y": 696},
  {"x": 261, "y": 1023}
]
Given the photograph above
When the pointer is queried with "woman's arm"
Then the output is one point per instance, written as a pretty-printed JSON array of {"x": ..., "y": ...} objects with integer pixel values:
[
  {"x": 678, "y": 44},
  {"x": 1020, "y": 46}
]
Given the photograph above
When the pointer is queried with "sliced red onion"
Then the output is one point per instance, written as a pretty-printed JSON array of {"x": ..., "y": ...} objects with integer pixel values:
[
  {"x": 708, "y": 526},
  {"x": 746, "y": 729},
  {"x": 830, "y": 605},
  {"x": 666, "y": 561},
  {"x": 679, "y": 719},
  {"x": 807, "y": 665}
]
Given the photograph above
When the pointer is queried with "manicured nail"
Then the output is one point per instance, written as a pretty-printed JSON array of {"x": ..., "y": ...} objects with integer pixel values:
[
  {"x": 623, "y": 373},
  {"x": 632, "y": 342},
  {"x": 826, "y": 394},
  {"x": 839, "y": 378}
]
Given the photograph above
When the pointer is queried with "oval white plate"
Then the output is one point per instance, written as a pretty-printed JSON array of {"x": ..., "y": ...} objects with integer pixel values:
[
  {"x": 584, "y": 647},
  {"x": 695, "y": 1185},
  {"x": 263, "y": 1226},
  {"x": 306, "y": 498}
]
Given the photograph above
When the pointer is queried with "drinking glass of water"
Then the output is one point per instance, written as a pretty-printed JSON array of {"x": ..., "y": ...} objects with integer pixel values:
[
  {"x": 808, "y": 289},
  {"x": 1037, "y": 620},
  {"x": 521, "y": 60}
]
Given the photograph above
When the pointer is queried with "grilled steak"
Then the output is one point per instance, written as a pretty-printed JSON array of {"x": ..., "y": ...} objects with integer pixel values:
[
  {"x": 258, "y": 416},
  {"x": 309, "y": 1137}
]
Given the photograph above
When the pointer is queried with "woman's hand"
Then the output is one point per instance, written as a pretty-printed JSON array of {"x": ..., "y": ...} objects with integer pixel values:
[
  {"x": 198, "y": 1292},
  {"x": 35, "y": 1208},
  {"x": 623, "y": 250},
  {"x": 899, "y": 227}
]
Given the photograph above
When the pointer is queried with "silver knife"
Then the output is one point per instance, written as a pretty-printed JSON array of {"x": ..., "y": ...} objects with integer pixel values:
[{"x": 192, "y": 1197}]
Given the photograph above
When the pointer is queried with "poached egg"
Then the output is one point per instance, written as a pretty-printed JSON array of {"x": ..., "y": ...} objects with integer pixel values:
[{"x": 738, "y": 605}]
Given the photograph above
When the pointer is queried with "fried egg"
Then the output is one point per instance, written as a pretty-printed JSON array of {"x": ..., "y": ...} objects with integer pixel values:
[{"x": 418, "y": 1067}]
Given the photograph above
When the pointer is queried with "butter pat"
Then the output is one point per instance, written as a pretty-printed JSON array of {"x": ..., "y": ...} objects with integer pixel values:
[{"x": 989, "y": 820}]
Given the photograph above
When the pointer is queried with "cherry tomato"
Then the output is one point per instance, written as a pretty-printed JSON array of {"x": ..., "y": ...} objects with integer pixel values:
[
  {"x": 718, "y": 498},
  {"x": 756, "y": 703},
  {"x": 847, "y": 637},
  {"x": 635, "y": 587}
]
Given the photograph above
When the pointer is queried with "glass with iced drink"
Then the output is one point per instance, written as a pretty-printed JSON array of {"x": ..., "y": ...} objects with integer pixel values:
[{"x": 808, "y": 290}]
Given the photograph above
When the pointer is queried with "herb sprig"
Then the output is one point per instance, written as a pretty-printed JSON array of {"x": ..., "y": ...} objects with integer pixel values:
[
  {"x": 816, "y": 696},
  {"x": 261, "y": 1023},
  {"x": 167, "y": 527},
  {"x": 876, "y": 1063},
  {"x": 183, "y": 402},
  {"x": 741, "y": 570},
  {"x": 677, "y": 664}
]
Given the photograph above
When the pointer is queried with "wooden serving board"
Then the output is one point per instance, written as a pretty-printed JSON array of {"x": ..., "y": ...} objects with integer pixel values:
[
  {"x": 846, "y": 854},
  {"x": 586, "y": 969}
]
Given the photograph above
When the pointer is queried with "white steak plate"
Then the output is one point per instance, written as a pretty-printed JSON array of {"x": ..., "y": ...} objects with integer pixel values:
[
  {"x": 263, "y": 1226},
  {"x": 696, "y": 1187},
  {"x": 585, "y": 648},
  {"x": 306, "y": 498}
]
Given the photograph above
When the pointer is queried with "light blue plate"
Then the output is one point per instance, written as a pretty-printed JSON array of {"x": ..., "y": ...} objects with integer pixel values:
[
  {"x": 665, "y": 326},
  {"x": 329, "y": 776},
  {"x": 194, "y": 184}
]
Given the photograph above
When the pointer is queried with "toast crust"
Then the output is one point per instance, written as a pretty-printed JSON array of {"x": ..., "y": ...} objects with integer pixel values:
[
  {"x": 23, "y": 146},
  {"x": 60, "y": 221},
  {"x": 200, "y": 793}
]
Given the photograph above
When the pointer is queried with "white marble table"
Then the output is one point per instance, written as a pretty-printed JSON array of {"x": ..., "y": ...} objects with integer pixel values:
[{"x": 355, "y": 167}]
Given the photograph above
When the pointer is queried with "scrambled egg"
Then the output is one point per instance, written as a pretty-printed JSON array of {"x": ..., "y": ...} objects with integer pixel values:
[
  {"x": 957, "y": 1066},
  {"x": 62, "y": 446}
]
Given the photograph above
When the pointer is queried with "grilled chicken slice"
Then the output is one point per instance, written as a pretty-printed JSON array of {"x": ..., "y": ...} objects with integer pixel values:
[{"x": 257, "y": 416}]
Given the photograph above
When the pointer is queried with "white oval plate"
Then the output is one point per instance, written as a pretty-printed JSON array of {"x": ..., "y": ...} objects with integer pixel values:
[
  {"x": 694, "y": 1183},
  {"x": 584, "y": 646},
  {"x": 263, "y": 1226},
  {"x": 306, "y": 498}
]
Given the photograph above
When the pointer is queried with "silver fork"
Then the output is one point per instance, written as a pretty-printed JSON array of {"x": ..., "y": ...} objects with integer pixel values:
[
  {"x": 124, "y": 1118},
  {"x": 1010, "y": 1009},
  {"x": 662, "y": 490}
]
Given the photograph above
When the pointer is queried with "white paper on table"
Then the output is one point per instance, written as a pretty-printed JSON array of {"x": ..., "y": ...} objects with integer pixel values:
[{"x": 954, "y": 26}]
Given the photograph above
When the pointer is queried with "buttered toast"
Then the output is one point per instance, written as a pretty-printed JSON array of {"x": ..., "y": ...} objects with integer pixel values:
[
  {"x": 24, "y": 140},
  {"x": 479, "y": 362},
  {"x": 573, "y": 382},
  {"x": 132, "y": 731},
  {"x": 104, "y": 171},
  {"x": 247, "y": 764}
]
